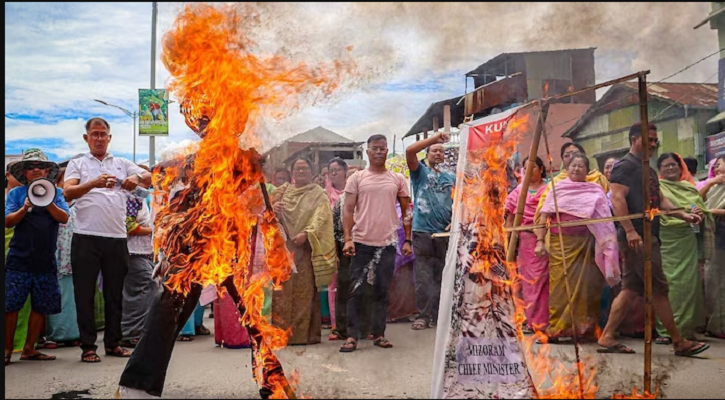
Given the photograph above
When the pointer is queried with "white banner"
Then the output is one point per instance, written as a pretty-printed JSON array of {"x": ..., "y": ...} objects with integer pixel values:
[{"x": 477, "y": 353}]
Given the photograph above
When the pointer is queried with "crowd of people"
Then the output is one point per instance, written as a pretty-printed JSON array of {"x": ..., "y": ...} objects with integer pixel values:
[
  {"x": 365, "y": 252},
  {"x": 581, "y": 279}
]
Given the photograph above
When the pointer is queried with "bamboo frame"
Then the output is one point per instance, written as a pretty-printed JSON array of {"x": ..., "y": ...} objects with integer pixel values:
[
  {"x": 647, "y": 231},
  {"x": 513, "y": 242},
  {"x": 644, "y": 120}
]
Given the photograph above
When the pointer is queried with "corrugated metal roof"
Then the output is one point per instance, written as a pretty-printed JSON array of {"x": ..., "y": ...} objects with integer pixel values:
[
  {"x": 696, "y": 95},
  {"x": 700, "y": 95}
]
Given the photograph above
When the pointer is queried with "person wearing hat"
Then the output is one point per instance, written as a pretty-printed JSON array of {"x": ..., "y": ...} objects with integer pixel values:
[
  {"x": 31, "y": 266},
  {"x": 99, "y": 241}
]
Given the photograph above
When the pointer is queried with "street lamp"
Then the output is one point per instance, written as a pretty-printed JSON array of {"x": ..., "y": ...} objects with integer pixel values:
[{"x": 133, "y": 115}]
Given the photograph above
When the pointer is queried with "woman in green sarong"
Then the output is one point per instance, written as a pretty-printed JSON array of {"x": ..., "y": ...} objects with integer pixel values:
[
  {"x": 681, "y": 249},
  {"x": 304, "y": 209}
]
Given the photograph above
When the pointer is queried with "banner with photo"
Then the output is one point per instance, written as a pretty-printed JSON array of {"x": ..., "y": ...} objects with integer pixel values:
[
  {"x": 153, "y": 112},
  {"x": 478, "y": 354}
]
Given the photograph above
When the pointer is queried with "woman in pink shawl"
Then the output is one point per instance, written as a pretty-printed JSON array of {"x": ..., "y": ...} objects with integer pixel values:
[
  {"x": 534, "y": 270},
  {"x": 589, "y": 258},
  {"x": 335, "y": 187}
]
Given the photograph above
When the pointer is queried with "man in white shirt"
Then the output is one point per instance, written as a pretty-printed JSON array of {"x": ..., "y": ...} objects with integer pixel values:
[{"x": 99, "y": 236}]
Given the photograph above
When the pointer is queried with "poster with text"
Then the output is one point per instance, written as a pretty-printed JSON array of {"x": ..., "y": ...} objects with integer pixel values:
[
  {"x": 153, "y": 112},
  {"x": 477, "y": 353}
]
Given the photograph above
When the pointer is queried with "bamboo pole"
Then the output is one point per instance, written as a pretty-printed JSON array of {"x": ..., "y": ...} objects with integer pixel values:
[
  {"x": 578, "y": 222},
  {"x": 580, "y": 373},
  {"x": 533, "y": 151},
  {"x": 647, "y": 231}
]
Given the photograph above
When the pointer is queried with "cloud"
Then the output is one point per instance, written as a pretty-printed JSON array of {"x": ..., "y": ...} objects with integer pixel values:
[{"x": 60, "y": 57}]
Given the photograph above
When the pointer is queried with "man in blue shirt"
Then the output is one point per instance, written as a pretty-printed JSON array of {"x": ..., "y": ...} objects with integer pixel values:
[
  {"x": 432, "y": 212},
  {"x": 31, "y": 266}
]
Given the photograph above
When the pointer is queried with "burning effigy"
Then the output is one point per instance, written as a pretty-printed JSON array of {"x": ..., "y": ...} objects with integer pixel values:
[{"x": 212, "y": 205}]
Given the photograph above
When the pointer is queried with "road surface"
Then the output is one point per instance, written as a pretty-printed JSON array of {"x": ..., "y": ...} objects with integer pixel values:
[{"x": 199, "y": 370}]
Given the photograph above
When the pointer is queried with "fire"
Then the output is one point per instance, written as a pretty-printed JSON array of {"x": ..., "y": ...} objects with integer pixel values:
[
  {"x": 205, "y": 233},
  {"x": 552, "y": 378}
]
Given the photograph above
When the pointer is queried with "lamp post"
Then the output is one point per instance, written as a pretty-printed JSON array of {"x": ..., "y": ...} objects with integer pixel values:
[{"x": 133, "y": 115}]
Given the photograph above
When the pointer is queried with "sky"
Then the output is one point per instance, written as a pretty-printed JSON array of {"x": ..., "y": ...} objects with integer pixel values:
[{"x": 59, "y": 57}]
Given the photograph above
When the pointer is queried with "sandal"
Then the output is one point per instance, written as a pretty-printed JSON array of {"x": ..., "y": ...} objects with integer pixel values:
[
  {"x": 663, "y": 340},
  {"x": 419, "y": 325},
  {"x": 349, "y": 346},
  {"x": 202, "y": 330},
  {"x": 695, "y": 349},
  {"x": 131, "y": 343},
  {"x": 382, "y": 343},
  {"x": 48, "y": 345},
  {"x": 37, "y": 357},
  {"x": 616, "y": 349},
  {"x": 334, "y": 336},
  {"x": 185, "y": 338},
  {"x": 90, "y": 356},
  {"x": 119, "y": 352}
]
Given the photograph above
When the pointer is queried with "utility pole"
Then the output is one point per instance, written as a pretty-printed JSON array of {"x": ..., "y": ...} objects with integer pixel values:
[{"x": 152, "y": 139}]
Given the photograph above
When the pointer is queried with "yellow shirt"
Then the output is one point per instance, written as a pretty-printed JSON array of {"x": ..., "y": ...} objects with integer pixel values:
[{"x": 594, "y": 176}]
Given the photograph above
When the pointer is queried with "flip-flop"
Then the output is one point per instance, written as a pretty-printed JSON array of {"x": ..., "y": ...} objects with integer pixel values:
[
  {"x": 693, "y": 350},
  {"x": 663, "y": 340},
  {"x": 185, "y": 338},
  {"x": 333, "y": 337},
  {"x": 616, "y": 349},
  {"x": 37, "y": 357}
]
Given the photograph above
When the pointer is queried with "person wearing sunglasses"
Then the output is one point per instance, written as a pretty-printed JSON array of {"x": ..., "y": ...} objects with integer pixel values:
[{"x": 31, "y": 267}]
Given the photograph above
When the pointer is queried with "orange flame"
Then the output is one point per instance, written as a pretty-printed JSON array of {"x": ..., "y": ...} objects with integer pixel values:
[{"x": 205, "y": 231}]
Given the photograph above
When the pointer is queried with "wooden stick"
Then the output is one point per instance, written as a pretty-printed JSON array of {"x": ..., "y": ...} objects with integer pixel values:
[
  {"x": 580, "y": 222},
  {"x": 533, "y": 151},
  {"x": 644, "y": 121},
  {"x": 580, "y": 373}
]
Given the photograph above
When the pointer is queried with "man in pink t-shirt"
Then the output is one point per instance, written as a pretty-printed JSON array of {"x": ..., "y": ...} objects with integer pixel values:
[{"x": 370, "y": 225}]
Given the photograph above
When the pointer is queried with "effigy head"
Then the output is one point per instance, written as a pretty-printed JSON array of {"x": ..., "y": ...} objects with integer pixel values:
[{"x": 197, "y": 113}]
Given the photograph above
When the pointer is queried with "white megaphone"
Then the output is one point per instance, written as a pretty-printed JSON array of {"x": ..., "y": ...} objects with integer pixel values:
[{"x": 41, "y": 192}]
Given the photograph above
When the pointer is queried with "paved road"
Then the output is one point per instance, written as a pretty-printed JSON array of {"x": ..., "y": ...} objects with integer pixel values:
[{"x": 200, "y": 370}]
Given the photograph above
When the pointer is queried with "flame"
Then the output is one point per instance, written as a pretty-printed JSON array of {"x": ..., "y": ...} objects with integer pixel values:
[
  {"x": 636, "y": 395},
  {"x": 205, "y": 231}
]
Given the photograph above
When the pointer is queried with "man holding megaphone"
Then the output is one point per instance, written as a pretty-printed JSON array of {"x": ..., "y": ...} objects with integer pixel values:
[{"x": 36, "y": 210}]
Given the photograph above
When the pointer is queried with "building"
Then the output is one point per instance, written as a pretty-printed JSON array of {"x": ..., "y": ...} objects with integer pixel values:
[
  {"x": 512, "y": 79},
  {"x": 680, "y": 111},
  {"x": 320, "y": 145}
]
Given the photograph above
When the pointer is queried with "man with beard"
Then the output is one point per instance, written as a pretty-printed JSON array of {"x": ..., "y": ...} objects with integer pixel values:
[
  {"x": 370, "y": 224},
  {"x": 432, "y": 212}
]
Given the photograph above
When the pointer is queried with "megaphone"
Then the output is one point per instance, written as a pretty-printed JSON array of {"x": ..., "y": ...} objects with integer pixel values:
[{"x": 41, "y": 192}]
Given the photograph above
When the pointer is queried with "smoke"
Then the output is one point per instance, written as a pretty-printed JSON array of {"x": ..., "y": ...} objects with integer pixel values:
[{"x": 407, "y": 44}]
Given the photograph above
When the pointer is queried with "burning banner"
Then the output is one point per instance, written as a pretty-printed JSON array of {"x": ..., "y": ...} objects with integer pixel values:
[{"x": 478, "y": 353}]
